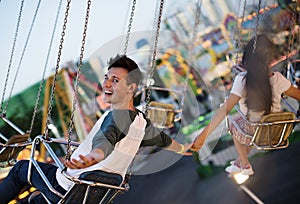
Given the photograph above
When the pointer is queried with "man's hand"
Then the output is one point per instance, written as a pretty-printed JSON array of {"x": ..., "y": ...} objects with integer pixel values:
[
  {"x": 85, "y": 161},
  {"x": 186, "y": 151}
]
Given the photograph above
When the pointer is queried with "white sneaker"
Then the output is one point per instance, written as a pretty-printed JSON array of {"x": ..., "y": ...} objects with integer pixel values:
[
  {"x": 248, "y": 171},
  {"x": 233, "y": 169}
]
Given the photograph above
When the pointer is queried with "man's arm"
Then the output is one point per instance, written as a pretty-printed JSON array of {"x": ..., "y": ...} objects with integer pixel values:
[
  {"x": 102, "y": 145},
  {"x": 179, "y": 148},
  {"x": 156, "y": 137}
]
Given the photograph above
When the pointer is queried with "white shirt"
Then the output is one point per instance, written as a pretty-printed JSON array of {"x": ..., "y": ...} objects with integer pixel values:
[
  {"x": 279, "y": 85},
  {"x": 120, "y": 158}
]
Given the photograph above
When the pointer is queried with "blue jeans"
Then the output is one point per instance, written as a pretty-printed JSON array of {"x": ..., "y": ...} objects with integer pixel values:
[{"x": 16, "y": 180}]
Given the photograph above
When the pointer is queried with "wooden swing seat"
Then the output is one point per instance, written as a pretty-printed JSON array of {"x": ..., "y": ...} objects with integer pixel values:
[
  {"x": 272, "y": 131},
  {"x": 162, "y": 115},
  {"x": 11, "y": 149}
]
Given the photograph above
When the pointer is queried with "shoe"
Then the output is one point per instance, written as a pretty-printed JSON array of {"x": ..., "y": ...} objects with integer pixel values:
[
  {"x": 247, "y": 171},
  {"x": 233, "y": 168}
]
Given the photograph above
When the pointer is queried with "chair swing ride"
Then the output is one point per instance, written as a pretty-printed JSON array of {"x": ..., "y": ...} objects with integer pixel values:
[
  {"x": 84, "y": 188},
  {"x": 273, "y": 130},
  {"x": 15, "y": 144},
  {"x": 161, "y": 114}
]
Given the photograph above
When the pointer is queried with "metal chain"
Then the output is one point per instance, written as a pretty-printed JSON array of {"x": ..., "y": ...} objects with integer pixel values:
[
  {"x": 77, "y": 80},
  {"x": 288, "y": 72},
  {"x": 153, "y": 65},
  {"x": 153, "y": 28},
  {"x": 256, "y": 27},
  {"x": 22, "y": 55},
  {"x": 292, "y": 36},
  {"x": 194, "y": 37},
  {"x": 12, "y": 54},
  {"x": 129, "y": 27},
  {"x": 56, "y": 68},
  {"x": 298, "y": 31},
  {"x": 239, "y": 43},
  {"x": 45, "y": 67}
]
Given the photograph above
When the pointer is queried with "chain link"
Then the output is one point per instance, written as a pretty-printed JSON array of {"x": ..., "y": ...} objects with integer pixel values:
[
  {"x": 129, "y": 27},
  {"x": 256, "y": 26},
  {"x": 12, "y": 54},
  {"x": 238, "y": 44},
  {"x": 44, "y": 72},
  {"x": 77, "y": 80},
  {"x": 153, "y": 65},
  {"x": 22, "y": 55},
  {"x": 288, "y": 72},
  {"x": 292, "y": 36},
  {"x": 56, "y": 68}
]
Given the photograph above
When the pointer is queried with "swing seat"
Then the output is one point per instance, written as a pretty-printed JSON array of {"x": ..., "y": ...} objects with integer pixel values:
[
  {"x": 11, "y": 149},
  {"x": 90, "y": 194},
  {"x": 272, "y": 131},
  {"x": 91, "y": 187},
  {"x": 162, "y": 115}
]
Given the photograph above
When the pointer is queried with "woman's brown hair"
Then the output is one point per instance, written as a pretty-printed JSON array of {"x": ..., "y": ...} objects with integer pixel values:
[{"x": 256, "y": 60}]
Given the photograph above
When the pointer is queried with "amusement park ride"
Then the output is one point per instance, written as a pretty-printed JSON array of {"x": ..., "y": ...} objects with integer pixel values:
[{"x": 65, "y": 90}]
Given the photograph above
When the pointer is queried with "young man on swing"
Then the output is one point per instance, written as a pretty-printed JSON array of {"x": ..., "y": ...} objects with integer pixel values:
[{"x": 98, "y": 150}]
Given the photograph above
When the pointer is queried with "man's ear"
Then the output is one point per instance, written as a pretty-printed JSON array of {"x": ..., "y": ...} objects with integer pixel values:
[{"x": 132, "y": 87}]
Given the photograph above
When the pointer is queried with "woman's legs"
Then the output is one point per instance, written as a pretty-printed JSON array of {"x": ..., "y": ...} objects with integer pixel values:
[
  {"x": 243, "y": 152},
  {"x": 16, "y": 180}
]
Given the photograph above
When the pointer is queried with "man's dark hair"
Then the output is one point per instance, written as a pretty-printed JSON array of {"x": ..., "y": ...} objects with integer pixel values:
[{"x": 134, "y": 73}]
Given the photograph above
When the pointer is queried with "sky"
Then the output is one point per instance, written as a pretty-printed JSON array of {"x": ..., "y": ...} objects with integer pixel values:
[{"x": 108, "y": 20}]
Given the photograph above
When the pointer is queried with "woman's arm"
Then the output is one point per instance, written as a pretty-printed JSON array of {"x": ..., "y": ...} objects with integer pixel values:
[
  {"x": 293, "y": 92},
  {"x": 220, "y": 115}
]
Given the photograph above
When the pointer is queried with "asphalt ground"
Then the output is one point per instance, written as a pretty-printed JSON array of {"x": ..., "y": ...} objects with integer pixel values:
[{"x": 276, "y": 180}]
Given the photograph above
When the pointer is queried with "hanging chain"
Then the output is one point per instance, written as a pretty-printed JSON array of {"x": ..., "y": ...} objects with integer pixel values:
[
  {"x": 12, "y": 54},
  {"x": 153, "y": 28},
  {"x": 22, "y": 55},
  {"x": 56, "y": 68},
  {"x": 44, "y": 71},
  {"x": 77, "y": 80},
  {"x": 129, "y": 27},
  {"x": 297, "y": 21},
  {"x": 292, "y": 36},
  {"x": 239, "y": 42},
  {"x": 153, "y": 65},
  {"x": 288, "y": 72},
  {"x": 194, "y": 37},
  {"x": 256, "y": 26}
]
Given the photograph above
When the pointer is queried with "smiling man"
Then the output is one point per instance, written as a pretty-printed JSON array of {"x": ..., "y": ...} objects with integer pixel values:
[{"x": 111, "y": 144}]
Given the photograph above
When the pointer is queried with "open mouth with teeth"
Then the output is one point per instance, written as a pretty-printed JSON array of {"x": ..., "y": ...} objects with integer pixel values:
[{"x": 109, "y": 93}]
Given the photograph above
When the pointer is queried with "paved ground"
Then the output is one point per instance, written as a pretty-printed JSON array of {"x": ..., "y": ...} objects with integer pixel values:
[{"x": 276, "y": 180}]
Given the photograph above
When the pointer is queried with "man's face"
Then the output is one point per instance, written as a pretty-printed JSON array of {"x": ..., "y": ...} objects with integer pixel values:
[{"x": 116, "y": 90}]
